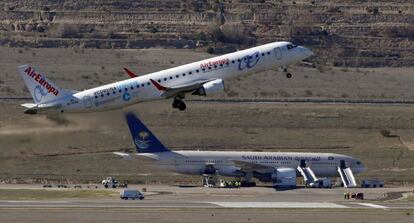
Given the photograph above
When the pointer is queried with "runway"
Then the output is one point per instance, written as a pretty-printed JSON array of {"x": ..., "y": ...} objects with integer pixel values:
[
  {"x": 121, "y": 204},
  {"x": 171, "y": 203}
]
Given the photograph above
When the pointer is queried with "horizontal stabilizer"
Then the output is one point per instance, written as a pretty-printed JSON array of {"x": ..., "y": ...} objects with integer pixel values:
[
  {"x": 124, "y": 156},
  {"x": 30, "y": 108},
  {"x": 29, "y": 105}
]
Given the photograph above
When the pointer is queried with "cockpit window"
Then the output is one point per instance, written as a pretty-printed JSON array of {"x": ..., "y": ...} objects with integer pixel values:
[
  {"x": 291, "y": 46},
  {"x": 358, "y": 162}
]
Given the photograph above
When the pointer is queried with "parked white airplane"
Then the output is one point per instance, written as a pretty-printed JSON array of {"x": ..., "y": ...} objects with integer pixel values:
[
  {"x": 276, "y": 167},
  {"x": 205, "y": 77}
]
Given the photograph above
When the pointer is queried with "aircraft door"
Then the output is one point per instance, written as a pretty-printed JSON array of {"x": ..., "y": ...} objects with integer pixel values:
[
  {"x": 278, "y": 53},
  {"x": 342, "y": 164},
  {"x": 302, "y": 163},
  {"x": 87, "y": 101}
]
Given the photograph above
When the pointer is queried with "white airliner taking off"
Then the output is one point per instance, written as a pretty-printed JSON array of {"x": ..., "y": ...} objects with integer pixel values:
[
  {"x": 275, "y": 167},
  {"x": 205, "y": 77}
]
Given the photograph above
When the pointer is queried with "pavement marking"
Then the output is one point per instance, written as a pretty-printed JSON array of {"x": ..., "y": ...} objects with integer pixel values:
[
  {"x": 278, "y": 205},
  {"x": 373, "y": 205}
]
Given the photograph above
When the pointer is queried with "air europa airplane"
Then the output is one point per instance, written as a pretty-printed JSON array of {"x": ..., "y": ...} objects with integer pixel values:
[{"x": 202, "y": 78}]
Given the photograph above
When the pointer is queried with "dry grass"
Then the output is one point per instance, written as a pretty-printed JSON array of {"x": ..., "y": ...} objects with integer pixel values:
[
  {"x": 77, "y": 146},
  {"x": 52, "y": 194}
]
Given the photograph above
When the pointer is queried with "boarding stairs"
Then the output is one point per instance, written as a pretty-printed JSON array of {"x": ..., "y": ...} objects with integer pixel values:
[
  {"x": 347, "y": 176},
  {"x": 307, "y": 173}
]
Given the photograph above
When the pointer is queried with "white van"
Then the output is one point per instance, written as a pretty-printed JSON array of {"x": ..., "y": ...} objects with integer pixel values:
[{"x": 131, "y": 194}]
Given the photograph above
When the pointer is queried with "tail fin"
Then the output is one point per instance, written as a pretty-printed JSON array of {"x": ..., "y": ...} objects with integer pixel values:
[
  {"x": 41, "y": 89},
  {"x": 144, "y": 140}
]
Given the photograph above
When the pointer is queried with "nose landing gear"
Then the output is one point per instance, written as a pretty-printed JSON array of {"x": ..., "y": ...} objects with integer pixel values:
[{"x": 285, "y": 70}]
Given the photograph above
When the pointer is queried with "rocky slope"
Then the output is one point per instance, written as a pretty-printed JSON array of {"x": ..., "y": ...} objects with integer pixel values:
[{"x": 343, "y": 33}]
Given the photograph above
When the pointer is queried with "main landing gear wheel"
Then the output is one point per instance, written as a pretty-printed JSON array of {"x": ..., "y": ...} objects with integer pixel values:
[
  {"x": 182, "y": 106},
  {"x": 177, "y": 103},
  {"x": 289, "y": 75}
]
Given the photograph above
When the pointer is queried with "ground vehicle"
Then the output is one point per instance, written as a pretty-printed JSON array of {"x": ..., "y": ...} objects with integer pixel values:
[
  {"x": 131, "y": 194},
  {"x": 110, "y": 182},
  {"x": 372, "y": 183},
  {"x": 321, "y": 183}
]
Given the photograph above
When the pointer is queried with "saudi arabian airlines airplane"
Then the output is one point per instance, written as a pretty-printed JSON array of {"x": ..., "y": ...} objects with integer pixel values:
[
  {"x": 280, "y": 168},
  {"x": 203, "y": 78}
]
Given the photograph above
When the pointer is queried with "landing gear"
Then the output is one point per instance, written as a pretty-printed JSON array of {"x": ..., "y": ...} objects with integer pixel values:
[
  {"x": 285, "y": 70},
  {"x": 182, "y": 106},
  {"x": 247, "y": 181},
  {"x": 178, "y": 103}
]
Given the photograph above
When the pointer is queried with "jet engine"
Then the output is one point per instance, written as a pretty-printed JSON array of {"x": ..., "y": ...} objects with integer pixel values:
[
  {"x": 209, "y": 169},
  {"x": 231, "y": 171},
  {"x": 280, "y": 177},
  {"x": 210, "y": 88}
]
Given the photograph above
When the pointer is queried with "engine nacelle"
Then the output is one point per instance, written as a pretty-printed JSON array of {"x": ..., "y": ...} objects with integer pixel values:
[
  {"x": 209, "y": 169},
  {"x": 230, "y": 171},
  {"x": 211, "y": 87},
  {"x": 280, "y": 177}
]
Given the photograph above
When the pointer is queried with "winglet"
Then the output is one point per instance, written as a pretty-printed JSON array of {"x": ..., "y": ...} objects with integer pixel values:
[
  {"x": 158, "y": 86},
  {"x": 130, "y": 73}
]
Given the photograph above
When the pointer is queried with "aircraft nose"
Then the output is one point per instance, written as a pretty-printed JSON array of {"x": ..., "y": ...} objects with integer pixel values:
[
  {"x": 361, "y": 168},
  {"x": 307, "y": 52}
]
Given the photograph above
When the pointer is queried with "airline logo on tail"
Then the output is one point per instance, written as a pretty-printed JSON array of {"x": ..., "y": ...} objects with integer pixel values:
[
  {"x": 143, "y": 143},
  {"x": 42, "y": 83}
]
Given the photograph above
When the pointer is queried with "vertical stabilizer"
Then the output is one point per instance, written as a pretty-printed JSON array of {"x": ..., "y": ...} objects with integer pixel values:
[
  {"x": 144, "y": 140},
  {"x": 41, "y": 88}
]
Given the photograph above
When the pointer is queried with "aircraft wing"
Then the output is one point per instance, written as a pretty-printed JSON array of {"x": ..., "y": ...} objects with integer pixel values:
[
  {"x": 169, "y": 92},
  {"x": 248, "y": 166}
]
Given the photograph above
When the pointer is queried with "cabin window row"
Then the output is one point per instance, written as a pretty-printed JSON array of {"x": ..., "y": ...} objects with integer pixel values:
[
  {"x": 125, "y": 89},
  {"x": 184, "y": 74},
  {"x": 210, "y": 68}
]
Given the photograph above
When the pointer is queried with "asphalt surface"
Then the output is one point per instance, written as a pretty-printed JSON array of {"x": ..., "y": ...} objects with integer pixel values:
[
  {"x": 175, "y": 196},
  {"x": 165, "y": 203},
  {"x": 121, "y": 204}
]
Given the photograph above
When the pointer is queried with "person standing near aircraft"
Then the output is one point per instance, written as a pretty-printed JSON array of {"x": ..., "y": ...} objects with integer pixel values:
[{"x": 202, "y": 78}]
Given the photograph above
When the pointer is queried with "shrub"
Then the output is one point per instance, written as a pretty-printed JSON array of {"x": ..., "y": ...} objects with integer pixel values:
[
  {"x": 200, "y": 36},
  {"x": 215, "y": 34},
  {"x": 153, "y": 30},
  {"x": 373, "y": 10},
  {"x": 385, "y": 133},
  {"x": 210, "y": 50},
  {"x": 68, "y": 31},
  {"x": 234, "y": 33}
]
